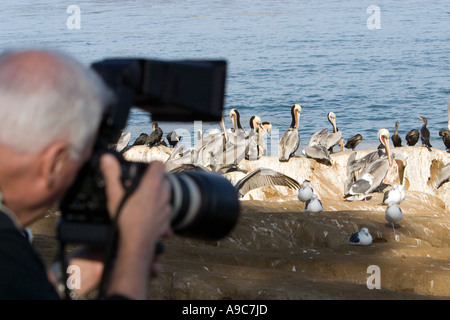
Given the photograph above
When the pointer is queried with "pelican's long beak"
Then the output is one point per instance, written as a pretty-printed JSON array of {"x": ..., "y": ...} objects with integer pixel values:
[
  {"x": 222, "y": 125},
  {"x": 262, "y": 127},
  {"x": 386, "y": 145}
]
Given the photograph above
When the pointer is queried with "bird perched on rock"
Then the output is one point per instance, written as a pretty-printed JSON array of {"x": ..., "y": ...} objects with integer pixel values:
[
  {"x": 443, "y": 175},
  {"x": 305, "y": 192},
  {"x": 396, "y": 140},
  {"x": 290, "y": 140},
  {"x": 140, "y": 140},
  {"x": 173, "y": 138},
  {"x": 445, "y": 134},
  {"x": 155, "y": 137},
  {"x": 361, "y": 238},
  {"x": 374, "y": 169},
  {"x": 393, "y": 214},
  {"x": 313, "y": 204},
  {"x": 412, "y": 137},
  {"x": 352, "y": 142},
  {"x": 425, "y": 134},
  {"x": 264, "y": 177},
  {"x": 396, "y": 194}
]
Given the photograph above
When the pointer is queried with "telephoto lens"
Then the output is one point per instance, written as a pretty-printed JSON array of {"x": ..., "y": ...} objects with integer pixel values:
[{"x": 205, "y": 204}]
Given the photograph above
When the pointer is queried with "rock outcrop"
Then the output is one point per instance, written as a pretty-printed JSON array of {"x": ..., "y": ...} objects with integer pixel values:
[{"x": 278, "y": 251}]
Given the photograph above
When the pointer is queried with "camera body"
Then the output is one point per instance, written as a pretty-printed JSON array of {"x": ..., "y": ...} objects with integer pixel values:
[{"x": 206, "y": 205}]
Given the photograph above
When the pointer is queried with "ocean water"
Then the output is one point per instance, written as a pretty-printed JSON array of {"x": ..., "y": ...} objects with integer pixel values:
[{"x": 371, "y": 68}]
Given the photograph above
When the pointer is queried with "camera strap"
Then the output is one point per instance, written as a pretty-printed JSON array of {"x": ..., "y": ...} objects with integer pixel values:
[{"x": 111, "y": 247}]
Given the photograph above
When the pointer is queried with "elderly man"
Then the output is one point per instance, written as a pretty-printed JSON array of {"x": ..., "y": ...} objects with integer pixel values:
[{"x": 51, "y": 107}]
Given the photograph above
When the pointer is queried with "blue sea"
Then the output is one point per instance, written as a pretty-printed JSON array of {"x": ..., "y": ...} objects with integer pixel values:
[{"x": 371, "y": 67}]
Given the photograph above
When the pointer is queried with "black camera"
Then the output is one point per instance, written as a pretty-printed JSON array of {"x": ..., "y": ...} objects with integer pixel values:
[{"x": 206, "y": 205}]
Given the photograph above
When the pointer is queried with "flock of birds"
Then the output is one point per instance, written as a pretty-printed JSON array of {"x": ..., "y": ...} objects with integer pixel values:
[{"x": 222, "y": 150}]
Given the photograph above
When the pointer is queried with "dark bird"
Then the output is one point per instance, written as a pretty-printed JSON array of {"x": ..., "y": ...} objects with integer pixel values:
[
  {"x": 445, "y": 134},
  {"x": 173, "y": 138},
  {"x": 412, "y": 137},
  {"x": 140, "y": 140},
  {"x": 264, "y": 177},
  {"x": 290, "y": 140},
  {"x": 425, "y": 134},
  {"x": 396, "y": 140},
  {"x": 353, "y": 141},
  {"x": 154, "y": 139}
]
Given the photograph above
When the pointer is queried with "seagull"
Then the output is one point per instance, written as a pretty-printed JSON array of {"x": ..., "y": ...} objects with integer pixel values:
[
  {"x": 394, "y": 195},
  {"x": 305, "y": 192},
  {"x": 313, "y": 204},
  {"x": 393, "y": 214},
  {"x": 361, "y": 238}
]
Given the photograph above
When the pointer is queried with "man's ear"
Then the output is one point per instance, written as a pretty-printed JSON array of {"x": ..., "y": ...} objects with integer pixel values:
[{"x": 53, "y": 160}]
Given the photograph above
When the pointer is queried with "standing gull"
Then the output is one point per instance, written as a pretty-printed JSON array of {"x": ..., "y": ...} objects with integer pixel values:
[
  {"x": 290, "y": 140},
  {"x": 361, "y": 238},
  {"x": 393, "y": 215},
  {"x": 313, "y": 204},
  {"x": 305, "y": 192}
]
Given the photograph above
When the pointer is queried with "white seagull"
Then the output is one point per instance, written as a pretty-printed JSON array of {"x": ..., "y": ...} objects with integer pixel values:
[
  {"x": 361, "y": 238},
  {"x": 313, "y": 204},
  {"x": 305, "y": 192},
  {"x": 393, "y": 215},
  {"x": 394, "y": 195}
]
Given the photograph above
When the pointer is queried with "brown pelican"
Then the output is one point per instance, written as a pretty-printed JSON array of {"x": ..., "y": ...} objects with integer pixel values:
[
  {"x": 412, "y": 137},
  {"x": 236, "y": 119},
  {"x": 445, "y": 134},
  {"x": 425, "y": 134},
  {"x": 353, "y": 141},
  {"x": 318, "y": 153},
  {"x": 396, "y": 140},
  {"x": 373, "y": 171},
  {"x": 264, "y": 177},
  {"x": 443, "y": 175},
  {"x": 155, "y": 137},
  {"x": 290, "y": 140},
  {"x": 254, "y": 138},
  {"x": 332, "y": 120}
]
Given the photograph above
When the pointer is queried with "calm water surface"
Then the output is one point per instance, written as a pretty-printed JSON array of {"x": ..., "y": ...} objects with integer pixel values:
[{"x": 321, "y": 55}]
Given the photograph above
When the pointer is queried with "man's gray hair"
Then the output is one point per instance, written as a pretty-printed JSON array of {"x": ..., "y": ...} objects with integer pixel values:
[{"x": 51, "y": 97}]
